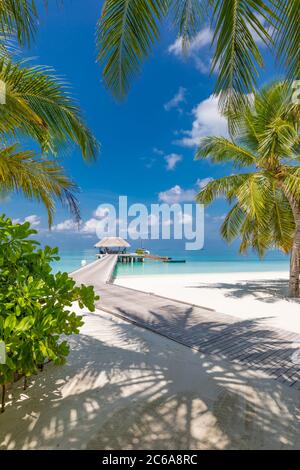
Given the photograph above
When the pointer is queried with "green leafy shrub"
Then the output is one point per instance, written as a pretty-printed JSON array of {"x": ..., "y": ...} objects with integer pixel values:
[{"x": 35, "y": 304}]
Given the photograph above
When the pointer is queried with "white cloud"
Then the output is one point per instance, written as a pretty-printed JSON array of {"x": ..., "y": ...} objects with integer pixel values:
[
  {"x": 177, "y": 99},
  {"x": 90, "y": 226},
  {"x": 207, "y": 121},
  {"x": 186, "y": 219},
  {"x": 200, "y": 42},
  {"x": 172, "y": 160},
  {"x": 67, "y": 225},
  {"x": 101, "y": 211},
  {"x": 34, "y": 220},
  {"x": 215, "y": 218},
  {"x": 177, "y": 195},
  {"x": 201, "y": 183},
  {"x": 158, "y": 151}
]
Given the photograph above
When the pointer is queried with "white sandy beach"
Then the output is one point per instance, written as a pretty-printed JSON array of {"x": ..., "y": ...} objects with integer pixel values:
[
  {"x": 244, "y": 295},
  {"x": 124, "y": 387}
]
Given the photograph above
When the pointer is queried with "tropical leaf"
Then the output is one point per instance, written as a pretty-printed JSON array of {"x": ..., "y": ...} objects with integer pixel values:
[
  {"x": 39, "y": 105},
  {"x": 125, "y": 33},
  {"x": 39, "y": 179},
  {"x": 237, "y": 57},
  {"x": 18, "y": 17},
  {"x": 231, "y": 227},
  {"x": 265, "y": 200},
  {"x": 188, "y": 16},
  {"x": 223, "y": 187},
  {"x": 287, "y": 35},
  {"x": 219, "y": 149}
]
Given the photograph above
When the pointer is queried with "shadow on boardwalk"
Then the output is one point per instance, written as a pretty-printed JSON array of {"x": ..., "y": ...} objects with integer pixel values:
[
  {"x": 247, "y": 342},
  {"x": 124, "y": 388}
]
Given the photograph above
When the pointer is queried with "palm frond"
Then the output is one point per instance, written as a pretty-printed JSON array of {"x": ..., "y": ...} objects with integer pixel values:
[
  {"x": 237, "y": 57},
  {"x": 18, "y": 17},
  {"x": 39, "y": 179},
  {"x": 254, "y": 196},
  {"x": 226, "y": 187},
  {"x": 39, "y": 105},
  {"x": 125, "y": 33},
  {"x": 219, "y": 149},
  {"x": 279, "y": 139},
  {"x": 188, "y": 15},
  {"x": 291, "y": 182},
  {"x": 231, "y": 227},
  {"x": 287, "y": 35}
]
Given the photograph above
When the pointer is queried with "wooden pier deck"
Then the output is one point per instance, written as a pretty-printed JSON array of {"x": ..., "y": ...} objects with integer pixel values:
[{"x": 250, "y": 343}]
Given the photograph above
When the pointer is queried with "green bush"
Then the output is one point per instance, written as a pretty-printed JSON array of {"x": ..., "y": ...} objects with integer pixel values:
[{"x": 35, "y": 304}]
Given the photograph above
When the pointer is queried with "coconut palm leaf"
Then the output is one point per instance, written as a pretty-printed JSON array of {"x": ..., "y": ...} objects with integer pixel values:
[
  {"x": 36, "y": 178},
  {"x": 125, "y": 33},
  {"x": 266, "y": 206},
  {"x": 287, "y": 35},
  {"x": 219, "y": 149},
  {"x": 188, "y": 16},
  {"x": 18, "y": 17},
  {"x": 127, "y": 30},
  {"x": 39, "y": 105},
  {"x": 237, "y": 57},
  {"x": 231, "y": 227},
  {"x": 223, "y": 187}
]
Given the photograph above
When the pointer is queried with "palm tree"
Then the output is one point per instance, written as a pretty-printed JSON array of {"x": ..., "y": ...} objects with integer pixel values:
[
  {"x": 265, "y": 196},
  {"x": 39, "y": 107},
  {"x": 127, "y": 30},
  {"x": 39, "y": 179}
]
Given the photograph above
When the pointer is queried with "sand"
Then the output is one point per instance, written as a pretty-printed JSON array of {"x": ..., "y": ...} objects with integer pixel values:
[
  {"x": 244, "y": 295},
  {"x": 124, "y": 387}
]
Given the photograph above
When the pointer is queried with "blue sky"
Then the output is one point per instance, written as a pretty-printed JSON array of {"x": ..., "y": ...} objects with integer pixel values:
[{"x": 148, "y": 141}]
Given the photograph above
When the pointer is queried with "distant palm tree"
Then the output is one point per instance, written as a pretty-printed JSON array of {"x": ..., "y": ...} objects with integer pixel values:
[
  {"x": 39, "y": 107},
  {"x": 266, "y": 197},
  {"x": 127, "y": 30}
]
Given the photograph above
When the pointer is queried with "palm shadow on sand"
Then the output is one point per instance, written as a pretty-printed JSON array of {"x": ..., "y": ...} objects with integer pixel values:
[
  {"x": 166, "y": 400},
  {"x": 268, "y": 291}
]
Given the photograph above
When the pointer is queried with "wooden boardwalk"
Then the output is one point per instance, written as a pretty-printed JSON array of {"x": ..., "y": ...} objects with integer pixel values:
[{"x": 248, "y": 342}]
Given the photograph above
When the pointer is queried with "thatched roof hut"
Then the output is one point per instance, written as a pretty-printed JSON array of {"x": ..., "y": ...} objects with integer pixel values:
[{"x": 111, "y": 243}]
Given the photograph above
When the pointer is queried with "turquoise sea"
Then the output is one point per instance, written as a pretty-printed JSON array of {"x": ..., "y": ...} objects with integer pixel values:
[{"x": 196, "y": 262}]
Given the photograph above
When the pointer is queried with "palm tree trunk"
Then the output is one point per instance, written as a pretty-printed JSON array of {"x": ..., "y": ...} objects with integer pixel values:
[
  {"x": 294, "y": 264},
  {"x": 295, "y": 251}
]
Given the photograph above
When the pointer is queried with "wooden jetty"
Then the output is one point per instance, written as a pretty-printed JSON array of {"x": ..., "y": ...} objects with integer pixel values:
[
  {"x": 156, "y": 257},
  {"x": 249, "y": 343}
]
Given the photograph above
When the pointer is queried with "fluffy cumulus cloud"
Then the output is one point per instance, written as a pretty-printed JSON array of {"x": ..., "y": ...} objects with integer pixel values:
[
  {"x": 202, "y": 183},
  {"x": 207, "y": 121},
  {"x": 34, "y": 220},
  {"x": 101, "y": 211},
  {"x": 198, "y": 50},
  {"x": 67, "y": 225},
  {"x": 176, "y": 194},
  {"x": 90, "y": 226},
  {"x": 177, "y": 100},
  {"x": 172, "y": 160},
  {"x": 87, "y": 227}
]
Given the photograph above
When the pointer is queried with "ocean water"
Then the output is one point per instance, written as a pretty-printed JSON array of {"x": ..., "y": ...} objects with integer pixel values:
[{"x": 196, "y": 262}]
